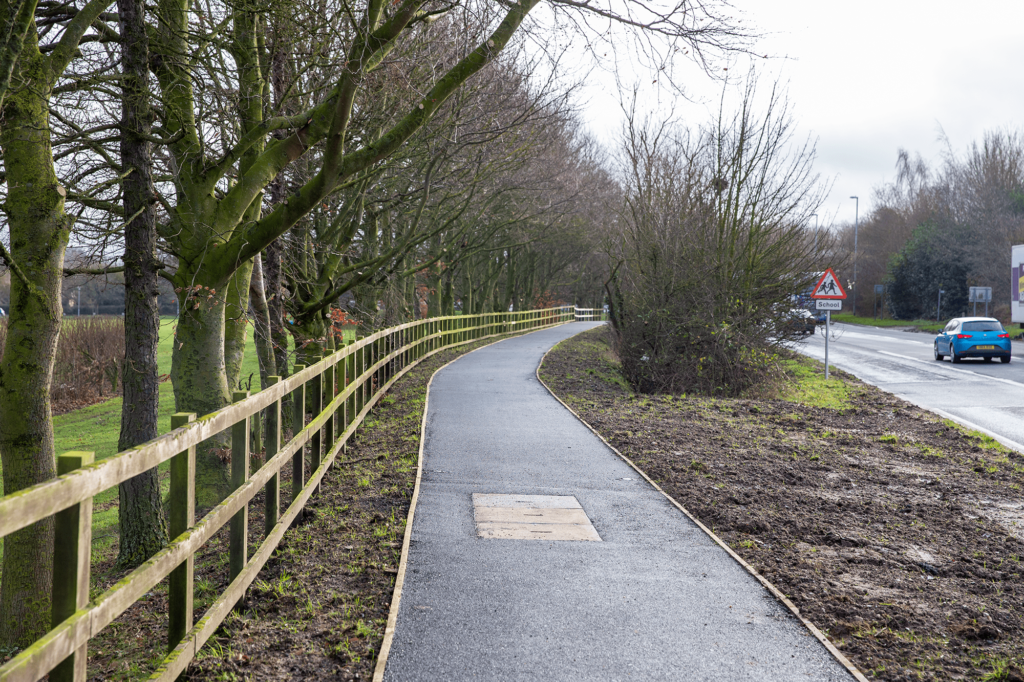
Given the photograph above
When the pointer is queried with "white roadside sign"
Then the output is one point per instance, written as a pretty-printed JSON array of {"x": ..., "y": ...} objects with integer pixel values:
[
  {"x": 1017, "y": 283},
  {"x": 825, "y": 304}
]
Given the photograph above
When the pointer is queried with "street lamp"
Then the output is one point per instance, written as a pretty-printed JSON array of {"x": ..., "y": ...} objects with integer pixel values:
[{"x": 856, "y": 225}]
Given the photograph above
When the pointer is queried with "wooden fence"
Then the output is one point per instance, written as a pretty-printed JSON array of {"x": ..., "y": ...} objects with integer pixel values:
[
  {"x": 349, "y": 381},
  {"x": 590, "y": 315}
]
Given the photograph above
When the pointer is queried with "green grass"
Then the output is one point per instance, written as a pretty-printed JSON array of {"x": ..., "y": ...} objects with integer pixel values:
[
  {"x": 983, "y": 440},
  {"x": 96, "y": 428},
  {"x": 807, "y": 385},
  {"x": 923, "y": 325}
]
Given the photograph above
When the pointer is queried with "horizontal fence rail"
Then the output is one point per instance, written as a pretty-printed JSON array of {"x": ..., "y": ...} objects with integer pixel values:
[
  {"x": 590, "y": 315},
  {"x": 341, "y": 388}
]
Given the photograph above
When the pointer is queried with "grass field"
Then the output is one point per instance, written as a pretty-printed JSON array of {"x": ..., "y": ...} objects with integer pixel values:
[
  {"x": 96, "y": 428},
  {"x": 923, "y": 325}
]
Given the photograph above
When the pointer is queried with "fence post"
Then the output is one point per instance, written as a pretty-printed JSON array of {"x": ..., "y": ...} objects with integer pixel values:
[
  {"x": 72, "y": 542},
  {"x": 182, "y": 516},
  {"x": 328, "y": 397},
  {"x": 366, "y": 361},
  {"x": 316, "y": 407},
  {"x": 299, "y": 421},
  {"x": 343, "y": 381},
  {"x": 378, "y": 374},
  {"x": 350, "y": 381},
  {"x": 339, "y": 386},
  {"x": 239, "y": 539},
  {"x": 272, "y": 492}
]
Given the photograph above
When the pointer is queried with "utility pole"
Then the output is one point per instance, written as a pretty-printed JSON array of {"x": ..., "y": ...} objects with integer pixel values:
[
  {"x": 856, "y": 226},
  {"x": 938, "y": 307}
]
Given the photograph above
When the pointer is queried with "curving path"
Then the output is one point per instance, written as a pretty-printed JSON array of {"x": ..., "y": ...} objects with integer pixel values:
[{"x": 649, "y": 597}]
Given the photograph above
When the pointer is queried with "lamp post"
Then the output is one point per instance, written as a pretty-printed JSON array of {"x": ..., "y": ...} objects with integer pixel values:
[
  {"x": 938, "y": 307},
  {"x": 856, "y": 226}
]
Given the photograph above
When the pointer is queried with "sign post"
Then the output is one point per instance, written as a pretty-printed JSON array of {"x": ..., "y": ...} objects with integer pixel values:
[
  {"x": 980, "y": 295},
  {"x": 828, "y": 296}
]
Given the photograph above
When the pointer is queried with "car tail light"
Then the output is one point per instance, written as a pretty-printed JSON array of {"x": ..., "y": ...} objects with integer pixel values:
[
  {"x": 1004, "y": 336},
  {"x": 965, "y": 336}
]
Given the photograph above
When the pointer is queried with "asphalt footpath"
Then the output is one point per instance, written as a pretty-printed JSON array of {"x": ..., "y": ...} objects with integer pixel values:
[{"x": 638, "y": 592}]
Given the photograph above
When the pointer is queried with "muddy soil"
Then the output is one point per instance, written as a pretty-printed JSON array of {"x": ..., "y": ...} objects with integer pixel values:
[{"x": 897, "y": 534}]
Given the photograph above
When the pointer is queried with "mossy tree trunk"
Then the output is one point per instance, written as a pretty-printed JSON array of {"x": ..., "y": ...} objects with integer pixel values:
[
  {"x": 261, "y": 322},
  {"x": 142, "y": 531},
  {"x": 39, "y": 230},
  {"x": 236, "y": 325},
  {"x": 213, "y": 232},
  {"x": 275, "y": 307},
  {"x": 39, "y": 234}
]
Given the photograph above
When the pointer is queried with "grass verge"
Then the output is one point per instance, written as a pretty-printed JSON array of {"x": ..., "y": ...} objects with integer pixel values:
[
  {"x": 919, "y": 325},
  {"x": 805, "y": 383}
]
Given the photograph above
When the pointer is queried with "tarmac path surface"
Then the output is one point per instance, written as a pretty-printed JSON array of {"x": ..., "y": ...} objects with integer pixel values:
[
  {"x": 985, "y": 395},
  {"x": 640, "y": 593}
]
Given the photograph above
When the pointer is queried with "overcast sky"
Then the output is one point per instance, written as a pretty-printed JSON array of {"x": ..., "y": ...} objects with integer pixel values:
[{"x": 870, "y": 77}]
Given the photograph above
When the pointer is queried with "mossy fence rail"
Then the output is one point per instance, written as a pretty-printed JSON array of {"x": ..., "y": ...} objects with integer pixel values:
[{"x": 349, "y": 381}]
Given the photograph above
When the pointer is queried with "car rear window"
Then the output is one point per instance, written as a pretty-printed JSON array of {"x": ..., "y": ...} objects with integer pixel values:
[{"x": 983, "y": 326}]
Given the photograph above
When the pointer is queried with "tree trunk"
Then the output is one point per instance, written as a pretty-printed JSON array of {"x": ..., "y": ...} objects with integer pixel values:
[
  {"x": 261, "y": 323},
  {"x": 236, "y": 325},
  {"x": 200, "y": 383},
  {"x": 275, "y": 307},
  {"x": 39, "y": 231},
  {"x": 140, "y": 511},
  {"x": 310, "y": 339}
]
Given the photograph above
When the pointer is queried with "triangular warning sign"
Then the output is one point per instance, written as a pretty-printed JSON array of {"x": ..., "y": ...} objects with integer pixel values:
[{"x": 828, "y": 287}]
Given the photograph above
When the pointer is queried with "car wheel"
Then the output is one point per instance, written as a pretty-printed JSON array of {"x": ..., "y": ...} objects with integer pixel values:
[
  {"x": 1005, "y": 359},
  {"x": 938, "y": 355},
  {"x": 988, "y": 359},
  {"x": 953, "y": 357}
]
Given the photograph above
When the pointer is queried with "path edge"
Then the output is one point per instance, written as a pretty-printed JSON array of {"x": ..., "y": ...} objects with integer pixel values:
[
  {"x": 396, "y": 597},
  {"x": 776, "y": 592}
]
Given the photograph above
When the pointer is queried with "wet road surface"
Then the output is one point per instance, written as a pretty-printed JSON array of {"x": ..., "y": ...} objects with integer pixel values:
[
  {"x": 986, "y": 395},
  {"x": 651, "y": 598}
]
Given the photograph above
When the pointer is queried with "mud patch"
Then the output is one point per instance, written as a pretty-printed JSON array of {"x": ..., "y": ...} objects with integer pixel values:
[{"x": 897, "y": 534}]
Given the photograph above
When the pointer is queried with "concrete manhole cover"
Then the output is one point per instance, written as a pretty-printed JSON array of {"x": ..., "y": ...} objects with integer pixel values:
[{"x": 532, "y": 517}]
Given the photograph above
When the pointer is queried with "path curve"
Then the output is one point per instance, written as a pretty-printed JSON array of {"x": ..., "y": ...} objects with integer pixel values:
[{"x": 654, "y": 599}]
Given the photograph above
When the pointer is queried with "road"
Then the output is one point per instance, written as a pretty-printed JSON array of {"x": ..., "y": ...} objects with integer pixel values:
[{"x": 988, "y": 396}]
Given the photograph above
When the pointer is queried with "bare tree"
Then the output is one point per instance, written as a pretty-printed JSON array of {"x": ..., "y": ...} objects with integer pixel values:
[{"x": 711, "y": 248}]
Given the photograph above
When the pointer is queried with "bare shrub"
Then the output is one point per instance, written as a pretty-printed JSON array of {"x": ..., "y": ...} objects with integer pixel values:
[
  {"x": 711, "y": 249},
  {"x": 87, "y": 369}
]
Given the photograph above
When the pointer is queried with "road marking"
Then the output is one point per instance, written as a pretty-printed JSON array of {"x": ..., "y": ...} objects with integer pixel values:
[
  {"x": 931, "y": 363},
  {"x": 876, "y": 337}
]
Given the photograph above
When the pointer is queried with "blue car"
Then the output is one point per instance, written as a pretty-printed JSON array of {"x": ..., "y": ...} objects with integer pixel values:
[{"x": 973, "y": 337}]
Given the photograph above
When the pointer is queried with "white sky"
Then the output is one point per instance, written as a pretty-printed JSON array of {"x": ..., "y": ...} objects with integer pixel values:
[{"x": 868, "y": 78}]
